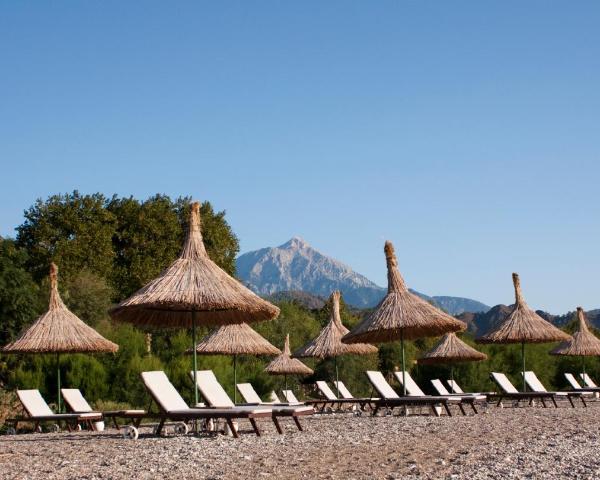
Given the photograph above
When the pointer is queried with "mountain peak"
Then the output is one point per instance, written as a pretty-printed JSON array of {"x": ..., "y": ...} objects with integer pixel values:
[{"x": 295, "y": 242}]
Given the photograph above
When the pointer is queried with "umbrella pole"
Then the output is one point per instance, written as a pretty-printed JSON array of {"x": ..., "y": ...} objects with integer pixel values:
[
  {"x": 234, "y": 378},
  {"x": 336, "y": 377},
  {"x": 403, "y": 367},
  {"x": 285, "y": 380},
  {"x": 195, "y": 357},
  {"x": 58, "y": 382},
  {"x": 523, "y": 358},
  {"x": 583, "y": 362},
  {"x": 452, "y": 374}
]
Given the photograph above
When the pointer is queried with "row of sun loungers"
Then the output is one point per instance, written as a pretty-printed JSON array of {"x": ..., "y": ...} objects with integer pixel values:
[{"x": 171, "y": 407}]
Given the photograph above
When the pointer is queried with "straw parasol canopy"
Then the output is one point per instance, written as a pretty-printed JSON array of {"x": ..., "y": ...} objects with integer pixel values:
[
  {"x": 329, "y": 341},
  {"x": 401, "y": 315},
  {"x": 193, "y": 283},
  {"x": 193, "y": 289},
  {"x": 235, "y": 339},
  {"x": 451, "y": 349},
  {"x": 523, "y": 326},
  {"x": 583, "y": 343},
  {"x": 285, "y": 365},
  {"x": 59, "y": 331}
]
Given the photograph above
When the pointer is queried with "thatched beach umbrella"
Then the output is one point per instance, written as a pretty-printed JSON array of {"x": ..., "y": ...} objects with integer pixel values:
[
  {"x": 523, "y": 326},
  {"x": 328, "y": 344},
  {"x": 451, "y": 349},
  {"x": 59, "y": 331},
  {"x": 583, "y": 343},
  {"x": 193, "y": 290},
  {"x": 285, "y": 365},
  {"x": 401, "y": 315},
  {"x": 235, "y": 339}
]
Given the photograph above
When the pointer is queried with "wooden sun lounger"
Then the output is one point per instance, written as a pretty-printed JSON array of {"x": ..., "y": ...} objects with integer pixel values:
[
  {"x": 77, "y": 403},
  {"x": 535, "y": 385},
  {"x": 390, "y": 399},
  {"x": 577, "y": 387},
  {"x": 509, "y": 392},
  {"x": 331, "y": 400},
  {"x": 216, "y": 396},
  {"x": 471, "y": 399},
  {"x": 37, "y": 411},
  {"x": 172, "y": 406}
]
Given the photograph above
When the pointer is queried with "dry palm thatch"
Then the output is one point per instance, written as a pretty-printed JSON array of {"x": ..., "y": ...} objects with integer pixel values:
[
  {"x": 59, "y": 330},
  {"x": 284, "y": 364},
  {"x": 329, "y": 341},
  {"x": 584, "y": 343},
  {"x": 451, "y": 349},
  {"x": 193, "y": 285},
  {"x": 401, "y": 314},
  {"x": 523, "y": 325},
  {"x": 235, "y": 339}
]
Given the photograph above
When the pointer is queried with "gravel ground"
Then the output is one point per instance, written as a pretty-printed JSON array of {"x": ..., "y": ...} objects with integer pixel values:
[{"x": 503, "y": 443}]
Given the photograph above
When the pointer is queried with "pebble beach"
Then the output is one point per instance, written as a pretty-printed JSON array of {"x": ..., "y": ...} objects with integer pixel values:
[{"x": 503, "y": 443}]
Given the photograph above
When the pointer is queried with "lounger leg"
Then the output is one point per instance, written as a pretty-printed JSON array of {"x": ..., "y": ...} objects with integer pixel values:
[
  {"x": 115, "y": 423},
  {"x": 36, "y": 426},
  {"x": 543, "y": 402},
  {"x": 375, "y": 410},
  {"x": 448, "y": 409},
  {"x": 571, "y": 401},
  {"x": 474, "y": 407},
  {"x": 499, "y": 402},
  {"x": 234, "y": 431},
  {"x": 435, "y": 410},
  {"x": 297, "y": 421},
  {"x": 462, "y": 409},
  {"x": 277, "y": 424},
  {"x": 554, "y": 402},
  {"x": 583, "y": 401},
  {"x": 160, "y": 427}
]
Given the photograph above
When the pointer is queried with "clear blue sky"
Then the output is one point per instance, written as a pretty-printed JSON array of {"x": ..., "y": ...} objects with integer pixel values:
[{"x": 465, "y": 132}]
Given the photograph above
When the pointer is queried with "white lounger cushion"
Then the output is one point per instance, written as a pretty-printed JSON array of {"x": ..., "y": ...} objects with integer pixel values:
[
  {"x": 248, "y": 393},
  {"x": 533, "y": 382},
  {"x": 412, "y": 388},
  {"x": 212, "y": 391},
  {"x": 163, "y": 391},
  {"x": 454, "y": 387},
  {"x": 325, "y": 390},
  {"x": 75, "y": 400},
  {"x": 587, "y": 380},
  {"x": 344, "y": 392},
  {"x": 273, "y": 397},
  {"x": 34, "y": 403},
  {"x": 439, "y": 387},
  {"x": 381, "y": 385},
  {"x": 290, "y": 397},
  {"x": 504, "y": 383},
  {"x": 574, "y": 383}
]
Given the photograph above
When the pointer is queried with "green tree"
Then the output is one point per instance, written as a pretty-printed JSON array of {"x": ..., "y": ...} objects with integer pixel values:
[
  {"x": 19, "y": 298},
  {"x": 73, "y": 230}
]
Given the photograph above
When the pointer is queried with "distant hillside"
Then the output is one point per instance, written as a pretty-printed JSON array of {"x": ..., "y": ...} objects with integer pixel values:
[
  {"x": 305, "y": 299},
  {"x": 297, "y": 267},
  {"x": 481, "y": 323}
]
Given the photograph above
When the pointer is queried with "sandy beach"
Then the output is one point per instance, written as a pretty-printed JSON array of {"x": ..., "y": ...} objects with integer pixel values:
[{"x": 503, "y": 443}]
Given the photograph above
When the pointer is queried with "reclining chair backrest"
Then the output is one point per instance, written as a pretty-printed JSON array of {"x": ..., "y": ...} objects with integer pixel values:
[
  {"x": 325, "y": 390},
  {"x": 76, "y": 401},
  {"x": 163, "y": 392},
  {"x": 381, "y": 385},
  {"x": 34, "y": 404}
]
